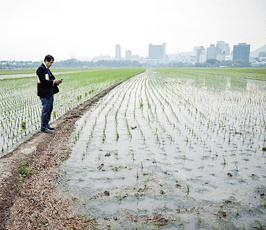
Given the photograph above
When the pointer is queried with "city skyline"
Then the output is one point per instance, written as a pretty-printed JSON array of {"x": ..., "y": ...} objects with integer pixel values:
[
  {"x": 154, "y": 49},
  {"x": 215, "y": 55},
  {"x": 86, "y": 29},
  {"x": 158, "y": 51}
]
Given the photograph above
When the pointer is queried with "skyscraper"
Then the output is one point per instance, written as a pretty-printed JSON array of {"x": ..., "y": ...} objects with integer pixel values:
[
  {"x": 128, "y": 55},
  {"x": 157, "y": 51},
  {"x": 241, "y": 52},
  {"x": 222, "y": 48},
  {"x": 200, "y": 54},
  {"x": 117, "y": 52},
  {"x": 211, "y": 52}
]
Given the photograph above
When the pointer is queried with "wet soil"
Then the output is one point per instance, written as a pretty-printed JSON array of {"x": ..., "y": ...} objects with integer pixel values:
[
  {"x": 37, "y": 203},
  {"x": 148, "y": 149}
]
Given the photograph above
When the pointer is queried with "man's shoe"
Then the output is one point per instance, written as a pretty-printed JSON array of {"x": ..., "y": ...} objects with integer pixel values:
[
  {"x": 47, "y": 131},
  {"x": 51, "y": 128}
]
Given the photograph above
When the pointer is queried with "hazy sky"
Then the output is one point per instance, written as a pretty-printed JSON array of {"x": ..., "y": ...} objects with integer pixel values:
[{"x": 30, "y": 29}]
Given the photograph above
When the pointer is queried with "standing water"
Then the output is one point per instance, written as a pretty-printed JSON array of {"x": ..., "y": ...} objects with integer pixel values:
[{"x": 172, "y": 152}]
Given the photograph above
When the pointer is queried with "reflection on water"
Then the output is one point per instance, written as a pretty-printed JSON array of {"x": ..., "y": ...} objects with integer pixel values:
[{"x": 185, "y": 148}]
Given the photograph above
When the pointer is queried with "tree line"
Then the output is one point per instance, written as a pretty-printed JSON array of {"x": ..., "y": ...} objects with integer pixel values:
[{"x": 74, "y": 63}]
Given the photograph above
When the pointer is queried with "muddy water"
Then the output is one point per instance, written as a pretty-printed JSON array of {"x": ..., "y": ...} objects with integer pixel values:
[{"x": 190, "y": 152}]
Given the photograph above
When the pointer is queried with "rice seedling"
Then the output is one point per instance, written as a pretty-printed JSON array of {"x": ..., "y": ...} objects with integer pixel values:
[
  {"x": 236, "y": 166},
  {"x": 199, "y": 217},
  {"x": 67, "y": 153},
  {"x": 23, "y": 124},
  {"x": 119, "y": 196},
  {"x": 83, "y": 155},
  {"x": 128, "y": 129},
  {"x": 132, "y": 154},
  {"x": 224, "y": 160},
  {"x": 246, "y": 159},
  {"x": 187, "y": 188},
  {"x": 259, "y": 223},
  {"x": 237, "y": 210},
  {"x": 141, "y": 103},
  {"x": 145, "y": 183},
  {"x": 137, "y": 195}
]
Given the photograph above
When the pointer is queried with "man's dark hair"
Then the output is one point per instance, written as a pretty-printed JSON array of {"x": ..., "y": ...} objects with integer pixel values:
[{"x": 48, "y": 58}]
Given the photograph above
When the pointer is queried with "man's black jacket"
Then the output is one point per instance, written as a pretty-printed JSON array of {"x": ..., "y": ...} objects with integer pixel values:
[{"x": 45, "y": 86}]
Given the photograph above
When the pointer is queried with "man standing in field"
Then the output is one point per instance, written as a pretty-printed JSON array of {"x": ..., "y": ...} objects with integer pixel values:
[{"x": 46, "y": 88}]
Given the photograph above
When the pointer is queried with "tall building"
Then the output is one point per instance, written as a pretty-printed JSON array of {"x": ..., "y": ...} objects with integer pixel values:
[
  {"x": 241, "y": 52},
  {"x": 157, "y": 51},
  {"x": 211, "y": 52},
  {"x": 222, "y": 48},
  {"x": 200, "y": 54},
  {"x": 117, "y": 52},
  {"x": 128, "y": 55}
]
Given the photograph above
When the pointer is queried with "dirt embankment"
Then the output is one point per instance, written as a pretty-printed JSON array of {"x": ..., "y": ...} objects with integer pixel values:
[{"x": 39, "y": 204}]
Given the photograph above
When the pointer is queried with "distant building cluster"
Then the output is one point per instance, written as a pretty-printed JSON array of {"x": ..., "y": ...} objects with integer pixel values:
[
  {"x": 219, "y": 52},
  {"x": 157, "y": 54}
]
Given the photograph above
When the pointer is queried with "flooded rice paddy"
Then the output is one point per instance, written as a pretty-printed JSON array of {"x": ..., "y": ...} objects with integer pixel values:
[
  {"x": 164, "y": 151},
  {"x": 20, "y": 112}
]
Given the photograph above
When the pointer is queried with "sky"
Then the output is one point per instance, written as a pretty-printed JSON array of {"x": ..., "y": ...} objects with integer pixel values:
[{"x": 83, "y": 29}]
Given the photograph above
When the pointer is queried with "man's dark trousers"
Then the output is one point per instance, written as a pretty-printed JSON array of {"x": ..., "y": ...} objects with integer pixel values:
[{"x": 47, "y": 107}]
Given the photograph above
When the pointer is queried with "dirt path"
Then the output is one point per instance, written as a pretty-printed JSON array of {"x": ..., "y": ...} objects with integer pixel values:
[{"x": 40, "y": 204}]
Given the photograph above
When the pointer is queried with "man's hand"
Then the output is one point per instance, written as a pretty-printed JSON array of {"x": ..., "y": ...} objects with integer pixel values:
[{"x": 57, "y": 82}]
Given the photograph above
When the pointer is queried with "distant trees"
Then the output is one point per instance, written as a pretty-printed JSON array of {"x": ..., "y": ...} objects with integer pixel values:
[
  {"x": 71, "y": 63},
  {"x": 74, "y": 63},
  {"x": 212, "y": 61},
  {"x": 113, "y": 63},
  {"x": 172, "y": 64}
]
